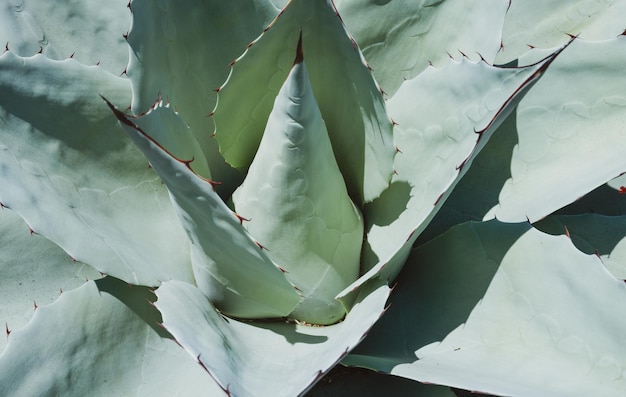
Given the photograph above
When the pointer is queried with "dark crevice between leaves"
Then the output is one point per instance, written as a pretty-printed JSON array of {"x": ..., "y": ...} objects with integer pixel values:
[{"x": 137, "y": 298}]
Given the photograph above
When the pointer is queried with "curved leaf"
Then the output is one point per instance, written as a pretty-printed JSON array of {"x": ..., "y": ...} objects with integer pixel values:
[
  {"x": 349, "y": 99},
  {"x": 89, "y": 343},
  {"x": 444, "y": 118},
  {"x": 229, "y": 266},
  {"x": 33, "y": 271},
  {"x": 550, "y": 323},
  {"x": 554, "y": 22},
  {"x": 84, "y": 30},
  {"x": 297, "y": 205},
  {"x": 181, "y": 52},
  {"x": 571, "y": 129},
  {"x": 416, "y": 33},
  {"x": 256, "y": 358},
  {"x": 69, "y": 171}
]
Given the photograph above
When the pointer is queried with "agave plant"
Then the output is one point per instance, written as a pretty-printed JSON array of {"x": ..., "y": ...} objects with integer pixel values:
[{"x": 249, "y": 189}]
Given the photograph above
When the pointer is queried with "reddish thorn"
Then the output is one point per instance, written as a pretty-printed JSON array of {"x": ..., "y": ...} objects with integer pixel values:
[
  {"x": 2, "y": 205},
  {"x": 462, "y": 53},
  {"x": 232, "y": 63},
  {"x": 261, "y": 246},
  {"x": 102, "y": 274},
  {"x": 128, "y": 5},
  {"x": 125, "y": 36},
  {"x": 252, "y": 42},
  {"x": 413, "y": 232},
  {"x": 501, "y": 46},
  {"x": 241, "y": 218},
  {"x": 430, "y": 63},
  {"x": 532, "y": 47},
  {"x": 449, "y": 55},
  {"x": 567, "y": 232},
  {"x": 398, "y": 150},
  {"x": 98, "y": 63},
  {"x": 210, "y": 114},
  {"x": 438, "y": 199},
  {"x": 460, "y": 166},
  {"x": 299, "y": 53},
  {"x": 72, "y": 56},
  {"x": 282, "y": 270},
  {"x": 201, "y": 363},
  {"x": 40, "y": 50},
  {"x": 218, "y": 89},
  {"x": 354, "y": 44},
  {"x": 622, "y": 190},
  {"x": 382, "y": 92},
  {"x": 124, "y": 72},
  {"x": 72, "y": 258},
  {"x": 31, "y": 231},
  {"x": 297, "y": 289},
  {"x": 395, "y": 172},
  {"x": 60, "y": 291},
  {"x": 6, "y": 327},
  {"x": 481, "y": 57},
  {"x": 35, "y": 305},
  {"x": 597, "y": 253},
  {"x": 128, "y": 107},
  {"x": 6, "y": 47}
]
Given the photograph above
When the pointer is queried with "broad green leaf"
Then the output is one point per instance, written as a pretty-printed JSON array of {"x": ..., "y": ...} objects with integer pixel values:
[
  {"x": 33, "y": 271},
  {"x": 550, "y": 23},
  {"x": 262, "y": 358},
  {"x": 444, "y": 117},
  {"x": 89, "y": 343},
  {"x": 72, "y": 174},
  {"x": 416, "y": 33},
  {"x": 228, "y": 265},
  {"x": 350, "y": 101},
  {"x": 182, "y": 54},
  {"x": 297, "y": 205},
  {"x": 86, "y": 30},
  {"x": 551, "y": 321},
  {"x": 571, "y": 129}
]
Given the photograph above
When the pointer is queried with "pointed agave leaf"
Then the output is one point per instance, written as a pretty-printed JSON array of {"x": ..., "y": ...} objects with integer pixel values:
[
  {"x": 83, "y": 30},
  {"x": 182, "y": 53},
  {"x": 551, "y": 321},
  {"x": 32, "y": 270},
  {"x": 571, "y": 129},
  {"x": 95, "y": 345},
  {"x": 416, "y": 33},
  {"x": 444, "y": 118},
  {"x": 349, "y": 99},
  {"x": 262, "y": 358},
  {"x": 297, "y": 204},
  {"x": 555, "y": 21},
  {"x": 229, "y": 266},
  {"x": 72, "y": 174}
]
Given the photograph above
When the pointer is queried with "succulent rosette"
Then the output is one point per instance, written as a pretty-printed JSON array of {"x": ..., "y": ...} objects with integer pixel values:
[{"x": 251, "y": 186}]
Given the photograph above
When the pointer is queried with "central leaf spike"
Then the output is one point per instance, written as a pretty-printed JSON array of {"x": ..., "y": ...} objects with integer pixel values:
[{"x": 298, "y": 204}]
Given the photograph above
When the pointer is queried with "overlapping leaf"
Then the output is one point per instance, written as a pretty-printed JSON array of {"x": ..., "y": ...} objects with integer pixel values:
[
  {"x": 571, "y": 129},
  {"x": 73, "y": 175}
]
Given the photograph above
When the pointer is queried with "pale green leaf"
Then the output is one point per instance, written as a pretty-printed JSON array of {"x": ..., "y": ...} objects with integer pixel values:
[
  {"x": 182, "y": 54},
  {"x": 87, "y": 30},
  {"x": 89, "y": 343},
  {"x": 262, "y": 358},
  {"x": 571, "y": 129},
  {"x": 297, "y": 205},
  {"x": 72, "y": 174},
  {"x": 228, "y": 265},
  {"x": 349, "y": 99},
  {"x": 400, "y": 38},
  {"x": 33, "y": 271},
  {"x": 551, "y": 321},
  {"x": 444, "y": 117},
  {"x": 550, "y": 23}
]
